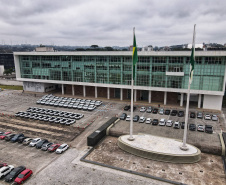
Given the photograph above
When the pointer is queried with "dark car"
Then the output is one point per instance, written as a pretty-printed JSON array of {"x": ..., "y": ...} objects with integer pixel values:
[
  {"x": 40, "y": 143},
  {"x": 14, "y": 173},
  {"x": 16, "y": 137},
  {"x": 200, "y": 115},
  {"x": 192, "y": 127},
  {"x": 173, "y": 113},
  {"x": 155, "y": 122},
  {"x": 123, "y": 116},
  {"x": 46, "y": 146},
  {"x": 209, "y": 129},
  {"x": 155, "y": 111},
  {"x": 21, "y": 139},
  {"x": 167, "y": 112},
  {"x": 9, "y": 137},
  {"x": 192, "y": 115},
  {"x": 136, "y": 118},
  {"x": 128, "y": 107},
  {"x": 182, "y": 125},
  {"x": 181, "y": 114}
]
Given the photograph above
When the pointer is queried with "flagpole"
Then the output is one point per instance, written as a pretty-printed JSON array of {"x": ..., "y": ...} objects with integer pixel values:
[
  {"x": 131, "y": 138},
  {"x": 184, "y": 146}
]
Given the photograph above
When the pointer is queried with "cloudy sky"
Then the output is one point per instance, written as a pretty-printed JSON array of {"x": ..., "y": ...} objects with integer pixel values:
[{"x": 111, "y": 22}]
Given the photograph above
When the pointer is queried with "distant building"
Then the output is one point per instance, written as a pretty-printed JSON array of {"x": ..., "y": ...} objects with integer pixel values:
[
  {"x": 147, "y": 48},
  {"x": 44, "y": 49},
  {"x": 189, "y": 46},
  {"x": 213, "y": 46},
  {"x": 7, "y": 60}
]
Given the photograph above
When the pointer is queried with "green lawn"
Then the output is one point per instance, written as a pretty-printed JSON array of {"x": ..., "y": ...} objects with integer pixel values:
[{"x": 14, "y": 87}]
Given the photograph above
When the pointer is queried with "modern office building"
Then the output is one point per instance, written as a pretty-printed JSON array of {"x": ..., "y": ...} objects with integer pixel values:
[
  {"x": 7, "y": 60},
  {"x": 160, "y": 76}
]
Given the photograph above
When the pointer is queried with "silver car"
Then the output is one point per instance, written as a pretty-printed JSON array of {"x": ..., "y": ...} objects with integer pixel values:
[{"x": 214, "y": 117}]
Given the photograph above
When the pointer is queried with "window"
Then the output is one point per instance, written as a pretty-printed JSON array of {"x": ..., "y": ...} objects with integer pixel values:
[{"x": 159, "y": 60}]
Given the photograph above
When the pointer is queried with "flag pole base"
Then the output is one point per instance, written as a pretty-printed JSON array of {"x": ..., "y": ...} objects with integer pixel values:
[
  {"x": 184, "y": 147},
  {"x": 131, "y": 138}
]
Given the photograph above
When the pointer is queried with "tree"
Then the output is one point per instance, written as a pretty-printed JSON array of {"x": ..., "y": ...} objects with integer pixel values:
[
  {"x": 94, "y": 46},
  {"x": 80, "y": 49},
  {"x": 108, "y": 48},
  {"x": 8, "y": 71}
]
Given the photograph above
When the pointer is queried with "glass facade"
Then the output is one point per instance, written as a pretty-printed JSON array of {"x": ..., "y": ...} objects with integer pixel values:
[{"x": 150, "y": 70}]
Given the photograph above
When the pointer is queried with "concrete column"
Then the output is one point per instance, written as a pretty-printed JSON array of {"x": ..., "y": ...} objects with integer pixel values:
[
  {"x": 135, "y": 95},
  {"x": 181, "y": 99},
  {"x": 62, "y": 86},
  {"x": 73, "y": 90},
  {"x": 108, "y": 93},
  {"x": 165, "y": 98},
  {"x": 121, "y": 94},
  {"x": 140, "y": 94},
  {"x": 84, "y": 91},
  {"x": 199, "y": 101},
  {"x": 95, "y": 91},
  {"x": 149, "y": 97}
]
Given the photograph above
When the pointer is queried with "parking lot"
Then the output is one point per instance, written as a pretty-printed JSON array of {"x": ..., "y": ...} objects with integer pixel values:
[
  {"x": 20, "y": 155},
  {"x": 75, "y": 135},
  {"x": 206, "y": 142}
]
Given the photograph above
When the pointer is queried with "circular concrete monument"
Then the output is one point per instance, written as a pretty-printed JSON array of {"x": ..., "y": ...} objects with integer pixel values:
[{"x": 159, "y": 148}]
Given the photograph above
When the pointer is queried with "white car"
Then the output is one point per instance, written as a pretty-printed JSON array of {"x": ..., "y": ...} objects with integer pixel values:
[
  {"x": 142, "y": 119},
  {"x": 98, "y": 103},
  {"x": 5, "y": 170},
  {"x": 91, "y": 107},
  {"x": 148, "y": 120},
  {"x": 34, "y": 142},
  {"x": 162, "y": 122},
  {"x": 142, "y": 109},
  {"x": 214, "y": 117},
  {"x": 176, "y": 124},
  {"x": 169, "y": 123},
  {"x": 161, "y": 111},
  {"x": 201, "y": 128},
  {"x": 207, "y": 117},
  {"x": 128, "y": 118},
  {"x": 62, "y": 148}
]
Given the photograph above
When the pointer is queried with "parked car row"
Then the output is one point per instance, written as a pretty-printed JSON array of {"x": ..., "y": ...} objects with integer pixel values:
[
  {"x": 18, "y": 174},
  {"x": 52, "y": 112},
  {"x": 75, "y": 103},
  {"x": 39, "y": 143},
  {"x": 178, "y": 113},
  {"x": 162, "y": 111},
  {"x": 46, "y": 118},
  {"x": 168, "y": 123}
]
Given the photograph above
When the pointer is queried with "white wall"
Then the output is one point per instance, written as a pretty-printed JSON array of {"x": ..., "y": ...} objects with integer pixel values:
[
  {"x": 1, "y": 70},
  {"x": 212, "y": 102},
  {"x": 10, "y": 82},
  {"x": 38, "y": 87}
]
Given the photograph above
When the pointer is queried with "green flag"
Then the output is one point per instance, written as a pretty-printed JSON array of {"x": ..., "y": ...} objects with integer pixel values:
[
  {"x": 192, "y": 59},
  {"x": 192, "y": 63},
  {"x": 135, "y": 57}
]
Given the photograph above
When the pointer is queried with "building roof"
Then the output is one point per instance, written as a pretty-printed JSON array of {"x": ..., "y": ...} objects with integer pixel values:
[{"x": 126, "y": 53}]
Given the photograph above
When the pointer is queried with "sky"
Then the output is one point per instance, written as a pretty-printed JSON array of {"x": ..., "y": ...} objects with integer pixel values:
[{"x": 111, "y": 22}]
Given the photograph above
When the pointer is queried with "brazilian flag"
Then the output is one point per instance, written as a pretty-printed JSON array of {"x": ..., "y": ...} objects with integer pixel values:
[{"x": 135, "y": 57}]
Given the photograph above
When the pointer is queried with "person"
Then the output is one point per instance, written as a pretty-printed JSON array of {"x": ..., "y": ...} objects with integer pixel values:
[{"x": 159, "y": 105}]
